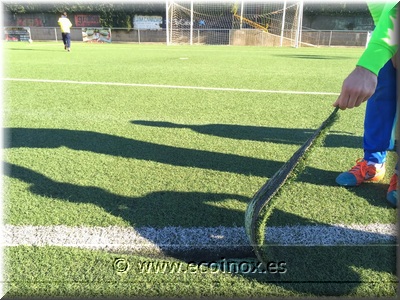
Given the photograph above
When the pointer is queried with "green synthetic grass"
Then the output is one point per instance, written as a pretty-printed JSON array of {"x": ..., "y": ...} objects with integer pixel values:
[
  {"x": 83, "y": 273},
  {"x": 99, "y": 155},
  {"x": 216, "y": 66},
  {"x": 267, "y": 194},
  {"x": 101, "y": 278}
]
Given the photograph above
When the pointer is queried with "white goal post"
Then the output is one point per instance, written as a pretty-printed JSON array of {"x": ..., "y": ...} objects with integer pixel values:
[{"x": 230, "y": 22}]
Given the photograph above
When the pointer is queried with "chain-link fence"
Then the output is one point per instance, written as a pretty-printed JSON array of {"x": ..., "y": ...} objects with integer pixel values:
[{"x": 230, "y": 36}]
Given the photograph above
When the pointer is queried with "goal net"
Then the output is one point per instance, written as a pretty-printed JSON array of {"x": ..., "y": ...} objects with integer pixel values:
[{"x": 243, "y": 22}]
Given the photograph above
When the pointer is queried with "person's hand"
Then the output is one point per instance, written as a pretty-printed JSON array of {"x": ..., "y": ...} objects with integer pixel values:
[{"x": 358, "y": 87}]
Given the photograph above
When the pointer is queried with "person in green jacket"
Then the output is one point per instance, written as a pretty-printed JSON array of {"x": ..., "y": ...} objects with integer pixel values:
[
  {"x": 374, "y": 79},
  {"x": 65, "y": 26}
]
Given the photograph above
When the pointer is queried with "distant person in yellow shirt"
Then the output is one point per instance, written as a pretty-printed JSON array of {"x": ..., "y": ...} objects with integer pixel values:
[{"x": 65, "y": 26}]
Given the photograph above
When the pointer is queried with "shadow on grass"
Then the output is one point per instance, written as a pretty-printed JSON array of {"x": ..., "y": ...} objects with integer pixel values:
[
  {"x": 158, "y": 209},
  {"x": 335, "y": 270},
  {"x": 323, "y": 266},
  {"x": 124, "y": 147},
  {"x": 293, "y": 136},
  {"x": 373, "y": 193},
  {"x": 128, "y": 148},
  {"x": 313, "y": 56},
  {"x": 316, "y": 270},
  {"x": 61, "y": 49},
  {"x": 23, "y": 49}
]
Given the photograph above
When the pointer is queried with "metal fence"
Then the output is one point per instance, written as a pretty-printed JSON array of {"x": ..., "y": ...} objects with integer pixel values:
[
  {"x": 335, "y": 38},
  {"x": 53, "y": 34},
  {"x": 118, "y": 35},
  {"x": 227, "y": 36}
]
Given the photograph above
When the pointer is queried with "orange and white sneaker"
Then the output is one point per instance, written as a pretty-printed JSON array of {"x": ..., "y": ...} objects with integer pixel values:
[
  {"x": 391, "y": 195},
  {"x": 361, "y": 172}
]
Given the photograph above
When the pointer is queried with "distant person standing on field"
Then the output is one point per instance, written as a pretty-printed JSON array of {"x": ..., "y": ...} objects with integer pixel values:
[{"x": 65, "y": 26}]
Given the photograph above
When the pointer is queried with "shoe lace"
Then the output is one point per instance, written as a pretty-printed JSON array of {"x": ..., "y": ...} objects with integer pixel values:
[{"x": 360, "y": 169}]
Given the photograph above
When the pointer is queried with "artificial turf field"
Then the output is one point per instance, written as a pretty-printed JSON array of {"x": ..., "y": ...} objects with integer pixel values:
[{"x": 128, "y": 168}]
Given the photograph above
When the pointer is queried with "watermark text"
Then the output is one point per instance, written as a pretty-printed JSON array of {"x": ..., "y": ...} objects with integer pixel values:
[{"x": 250, "y": 266}]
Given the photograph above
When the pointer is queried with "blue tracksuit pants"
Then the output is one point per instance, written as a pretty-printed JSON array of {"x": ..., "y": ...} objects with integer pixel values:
[
  {"x": 380, "y": 116},
  {"x": 66, "y": 37}
]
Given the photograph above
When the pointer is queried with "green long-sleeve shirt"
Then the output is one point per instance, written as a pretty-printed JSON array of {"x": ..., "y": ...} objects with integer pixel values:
[{"x": 384, "y": 40}]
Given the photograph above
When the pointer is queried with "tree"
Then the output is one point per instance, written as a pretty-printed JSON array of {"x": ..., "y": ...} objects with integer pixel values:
[{"x": 335, "y": 8}]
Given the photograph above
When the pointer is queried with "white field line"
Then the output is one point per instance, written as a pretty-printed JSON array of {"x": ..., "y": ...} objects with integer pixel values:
[
  {"x": 148, "y": 239},
  {"x": 169, "y": 86}
]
